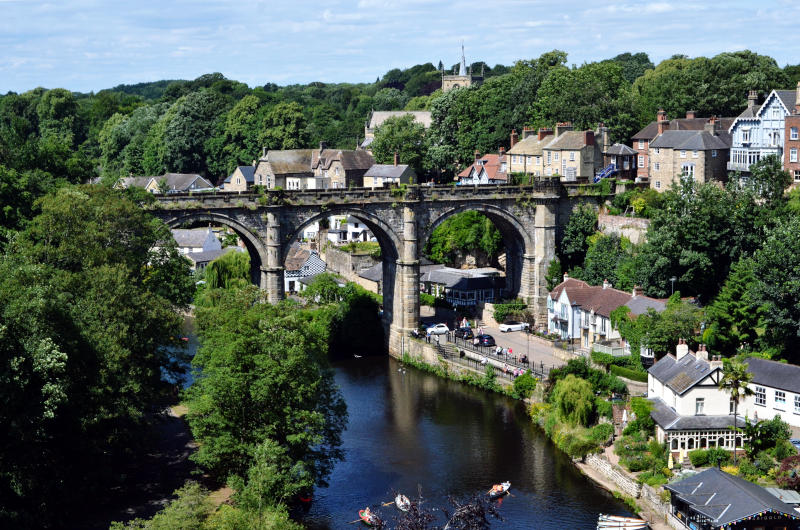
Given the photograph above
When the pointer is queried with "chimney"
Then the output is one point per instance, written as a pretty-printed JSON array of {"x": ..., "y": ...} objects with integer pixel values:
[
  {"x": 501, "y": 152},
  {"x": 715, "y": 362},
  {"x": 752, "y": 97},
  {"x": 514, "y": 138},
  {"x": 264, "y": 151},
  {"x": 711, "y": 125},
  {"x": 566, "y": 276},
  {"x": 477, "y": 155},
  {"x": 602, "y": 131},
  {"x": 637, "y": 290},
  {"x": 588, "y": 137},
  {"x": 544, "y": 132},
  {"x": 662, "y": 121},
  {"x": 322, "y": 146},
  {"x": 691, "y": 114},
  {"x": 702, "y": 353},
  {"x": 395, "y": 158},
  {"x": 526, "y": 131},
  {"x": 681, "y": 350},
  {"x": 606, "y": 285},
  {"x": 563, "y": 127}
]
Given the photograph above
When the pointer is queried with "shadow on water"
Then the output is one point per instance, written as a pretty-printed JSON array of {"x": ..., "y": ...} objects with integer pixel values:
[{"x": 409, "y": 428}]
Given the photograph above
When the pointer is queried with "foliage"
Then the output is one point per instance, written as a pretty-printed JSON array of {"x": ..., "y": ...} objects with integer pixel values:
[
  {"x": 603, "y": 258},
  {"x": 601, "y": 382},
  {"x": 228, "y": 271},
  {"x": 643, "y": 423},
  {"x": 582, "y": 224},
  {"x": 554, "y": 274},
  {"x": 574, "y": 399},
  {"x": 635, "y": 375},
  {"x": 503, "y": 310},
  {"x": 765, "y": 435},
  {"x": 427, "y": 299},
  {"x": 788, "y": 475},
  {"x": 465, "y": 233},
  {"x": 401, "y": 135},
  {"x": 602, "y": 432},
  {"x": 264, "y": 395},
  {"x": 524, "y": 385},
  {"x": 323, "y": 289},
  {"x": 767, "y": 179},
  {"x": 373, "y": 248}
]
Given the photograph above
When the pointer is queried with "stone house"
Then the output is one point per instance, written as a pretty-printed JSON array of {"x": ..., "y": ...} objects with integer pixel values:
[
  {"x": 487, "y": 169},
  {"x": 339, "y": 168},
  {"x": 700, "y": 155},
  {"x": 377, "y": 117},
  {"x": 573, "y": 155},
  {"x": 300, "y": 263},
  {"x": 380, "y": 175},
  {"x": 642, "y": 139},
  {"x": 242, "y": 179},
  {"x": 168, "y": 182},
  {"x": 289, "y": 169},
  {"x": 759, "y": 131},
  {"x": 525, "y": 156}
]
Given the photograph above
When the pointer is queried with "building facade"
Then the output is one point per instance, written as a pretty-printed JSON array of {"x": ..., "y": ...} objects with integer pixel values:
[
  {"x": 339, "y": 168},
  {"x": 791, "y": 151},
  {"x": 242, "y": 179},
  {"x": 572, "y": 155},
  {"x": 487, "y": 169},
  {"x": 699, "y": 155},
  {"x": 380, "y": 175},
  {"x": 525, "y": 156},
  {"x": 464, "y": 287},
  {"x": 288, "y": 169}
]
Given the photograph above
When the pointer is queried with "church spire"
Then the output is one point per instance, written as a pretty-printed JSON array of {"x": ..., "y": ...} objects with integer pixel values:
[{"x": 462, "y": 69}]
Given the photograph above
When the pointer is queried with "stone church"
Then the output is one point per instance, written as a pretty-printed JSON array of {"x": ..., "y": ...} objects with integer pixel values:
[{"x": 464, "y": 78}]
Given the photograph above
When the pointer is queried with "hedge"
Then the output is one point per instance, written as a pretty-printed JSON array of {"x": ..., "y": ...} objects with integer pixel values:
[
  {"x": 634, "y": 375},
  {"x": 501, "y": 311},
  {"x": 427, "y": 299}
]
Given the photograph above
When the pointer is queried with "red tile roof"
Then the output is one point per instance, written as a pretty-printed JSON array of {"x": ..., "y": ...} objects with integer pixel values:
[{"x": 489, "y": 163}]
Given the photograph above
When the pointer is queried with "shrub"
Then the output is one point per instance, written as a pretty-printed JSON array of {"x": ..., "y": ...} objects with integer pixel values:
[
  {"x": 699, "y": 457},
  {"x": 603, "y": 408},
  {"x": 788, "y": 475},
  {"x": 633, "y": 375},
  {"x": 426, "y": 299},
  {"x": 783, "y": 449},
  {"x": 604, "y": 359},
  {"x": 601, "y": 433},
  {"x": 524, "y": 385},
  {"x": 502, "y": 311},
  {"x": 718, "y": 456}
]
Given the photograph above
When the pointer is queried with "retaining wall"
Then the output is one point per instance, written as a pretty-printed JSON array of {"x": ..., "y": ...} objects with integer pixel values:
[
  {"x": 634, "y": 228},
  {"x": 615, "y": 474}
]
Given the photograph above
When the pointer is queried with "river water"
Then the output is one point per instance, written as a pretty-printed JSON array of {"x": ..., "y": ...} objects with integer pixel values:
[{"x": 408, "y": 428}]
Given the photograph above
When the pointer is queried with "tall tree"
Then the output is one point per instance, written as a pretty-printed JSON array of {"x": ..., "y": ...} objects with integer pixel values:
[
  {"x": 401, "y": 135},
  {"x": 582, "y": 224},
  {"x": 735, "y": 381}
]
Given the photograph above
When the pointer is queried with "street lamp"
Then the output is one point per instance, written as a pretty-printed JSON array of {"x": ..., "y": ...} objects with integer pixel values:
[{"x": 672, "y": 280}]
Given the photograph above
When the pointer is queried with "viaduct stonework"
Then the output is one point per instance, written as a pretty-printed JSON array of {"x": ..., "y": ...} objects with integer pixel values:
[{"x": 402, "y": 220}]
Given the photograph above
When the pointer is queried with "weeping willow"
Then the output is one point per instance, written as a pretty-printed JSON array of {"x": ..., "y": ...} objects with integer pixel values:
[{"x": 230, "y": 270}]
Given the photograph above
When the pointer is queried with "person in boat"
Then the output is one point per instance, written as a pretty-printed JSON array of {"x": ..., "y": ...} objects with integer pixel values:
[
  {"x": 497, "y": 488},
  {"x": 368, "y": 513}
]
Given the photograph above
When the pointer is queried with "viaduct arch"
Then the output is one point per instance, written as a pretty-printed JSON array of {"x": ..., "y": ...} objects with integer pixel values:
[{"x": 402, "y": 221}]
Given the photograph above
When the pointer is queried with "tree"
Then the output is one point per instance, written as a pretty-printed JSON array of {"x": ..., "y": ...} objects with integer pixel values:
[
  {"x": 285, "y": 127},
  {"x": 554, "y": 275},
  {"x": 191, "y": 121},
  {"x": 603, "y": 257},
  {"x": 465, "y": 233},
  {"x": 231, "y": 270},
  {"x": 390, "y": 99},
  {"x": 768, "y": 179},
  {"x": 735, "y": 381},
  {"x": 582, "y": 224},
  {"x": 658, "y": 331},
  {"x": 323, "y": 289},
  {"x": 401, "y": 135},
  {"x": 574, "y": 399},
  {"x": 235, "y": 141},
  {"x": 633, "y": 65}
]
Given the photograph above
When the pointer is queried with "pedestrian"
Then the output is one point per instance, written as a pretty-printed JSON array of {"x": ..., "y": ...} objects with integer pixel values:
[
  {"x": 480, "y": 330},
  {"x": 510, "y": 351}
]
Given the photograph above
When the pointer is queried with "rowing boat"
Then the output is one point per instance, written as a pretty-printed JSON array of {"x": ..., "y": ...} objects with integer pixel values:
[
  {"x": 498, "y": 490},
  {"x": 369, "y": 518},
  {"x": 402, "y": 502},
  {"x": 625, "y": 523}
]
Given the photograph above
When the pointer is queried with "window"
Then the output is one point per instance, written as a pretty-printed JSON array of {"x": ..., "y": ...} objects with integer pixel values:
[
  {"x": 688, "y": 170},
  {"x": 761, "y": 396},
  {"x": 683, "y": 154},
  {"x": 713, "y": 153},
  {"x": 641, "y": 144},
  {"x": 658, "y": 150},
  {"x": 555, "y": 156},
  {"x": 337, "y": 171},
  {"x": 793, "y": 133},
  {"x": 657, "y": 166},
  {"x": 797, "y": 175},
  {"x": 776, "y": 112},
  {"x": 658, "y": 184},
  {"x": 572, "y": 156},
  {"x": 641, "y": 161},
  {"x": 549, "y": 154},
  {"x": 793, "y": 154},
  {"x": 745, "y": 135},
  {"x": 797, "y": 404},
  {"x": 698, "y": 406},
  {"x": 530, "y": 159},
  {"x": 780, "y": 400},
  {"x": 694, "y": 154}
]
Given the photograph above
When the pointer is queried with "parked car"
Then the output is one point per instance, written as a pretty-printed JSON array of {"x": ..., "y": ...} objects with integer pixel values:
[
  {"x": 438, "y": 329},
  {"x": 464, "y": 333},
  {"x": 485, "y": 340},
  {"x": 796, "y": 443},
  {"x": 513, "y": 325}
]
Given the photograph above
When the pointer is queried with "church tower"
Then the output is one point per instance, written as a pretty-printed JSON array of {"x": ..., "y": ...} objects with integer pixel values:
[{"x": 464, "y": 78}]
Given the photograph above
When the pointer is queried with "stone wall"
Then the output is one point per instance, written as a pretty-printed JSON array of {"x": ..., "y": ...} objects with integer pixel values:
[
  {"x": 633, "y": 228},
  {"x": 615, "y": 474},
  {"x": 347, "y": 265}
]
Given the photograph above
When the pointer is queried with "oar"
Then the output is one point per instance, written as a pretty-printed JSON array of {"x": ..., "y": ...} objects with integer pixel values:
[
  {"x": 387, "y": 503},
  {"x": 356, "y": 521}
]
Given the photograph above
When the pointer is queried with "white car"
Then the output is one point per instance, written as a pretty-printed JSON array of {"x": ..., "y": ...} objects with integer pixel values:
[
  {"x": 513, "y": 326},
  {"x": 438, "y": 329}
]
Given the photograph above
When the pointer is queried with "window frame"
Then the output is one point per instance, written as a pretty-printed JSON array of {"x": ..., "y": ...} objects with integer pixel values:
[
  {"x": 793, "y": 133},
  {"x": 641, "y": 160},
  {"x": 641, "y": 144},
  {"x": 780, "y": 401},
  {"x": 760, "y": 396}
]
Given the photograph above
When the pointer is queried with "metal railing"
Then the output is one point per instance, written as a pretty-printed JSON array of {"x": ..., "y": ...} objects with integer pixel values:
[{"x": 514, "y": 361}]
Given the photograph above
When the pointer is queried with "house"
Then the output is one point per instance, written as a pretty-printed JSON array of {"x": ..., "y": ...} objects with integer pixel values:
[
  {"x": 791, "y": 142},
  {"x": 464, "y": 287},
  {"x": 619, "y": 161},
  {"x": 380, "y": 175},
  {"x": 300, "y": 263},
  {"x": 339, "y": 168},
  {"x": 776, "y": 391},
  {"x": 642, "y": 139},
  {"x": 196, "y": 240},
  {"x": 759, "y": 130},
  {"x": 200, "y": 260},
  {"x": 715, "y": 500},
  {"x": 372, "y": 278},
  {"x": 581, "y": 313},
  {"x": 573, "y": 155},
  {"x": 525, "y": 156},
  {"x": 242, "y": 179},
  {"x": 699, "y": 155},
  {"x": 168, "y": 183},
  {"x": 464, "y": 78},
  {"x": 289, "y": 169},
  {"x": 377, "y": 117},
  {"x": 487, "y": 169}
]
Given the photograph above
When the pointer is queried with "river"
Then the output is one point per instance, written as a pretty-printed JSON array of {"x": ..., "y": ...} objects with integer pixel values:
[{"x": 408, "y": 428}]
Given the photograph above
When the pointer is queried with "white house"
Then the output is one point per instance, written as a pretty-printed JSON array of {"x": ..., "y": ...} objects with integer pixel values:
[
  {"x": 776, "y": 391},
  {"x": 300, "y": 263},
  {"x": 196, "y": 240}
]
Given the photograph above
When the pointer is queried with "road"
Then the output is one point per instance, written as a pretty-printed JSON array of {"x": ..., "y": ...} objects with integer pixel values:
[{"x": 519, "y": 342}]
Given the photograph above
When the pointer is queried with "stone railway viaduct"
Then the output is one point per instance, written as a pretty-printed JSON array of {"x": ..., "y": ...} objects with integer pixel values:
[{"x": 402, "y": 220}]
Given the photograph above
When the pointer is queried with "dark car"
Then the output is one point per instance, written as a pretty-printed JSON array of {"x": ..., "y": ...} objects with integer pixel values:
[
  {"x": 485, "y": 340},
  {"x": 464, "y": 333}
]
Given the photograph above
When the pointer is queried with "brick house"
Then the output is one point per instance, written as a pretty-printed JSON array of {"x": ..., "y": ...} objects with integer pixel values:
[
  {"x": 340, "y": 168},
  {"x": 791, "y": 148},
  {"x": 701, "y": 155}
]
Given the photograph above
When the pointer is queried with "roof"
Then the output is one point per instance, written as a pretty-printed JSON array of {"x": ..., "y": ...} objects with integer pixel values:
[
  {"x": 568, "y": 140},
  {"x": 491, "y": 164},
  {"x": 787, "y": 496},
  {"x": 136, "y": 182},
  {"x": 774, "y": 374},
  {"x": 530, "y": 145},
  {"x": 208, "y": 256},
  {"x": 681, "y": 375},
  {"x": 464, "y": 279},
  {"x": 602, "y": 301},
  {"x": 377, "y": 117},
  {"x": 681, "y": 124},
  {"x": 640, "y": 304},
  {"x": 189, "y": 238},
  {"x": 350, "y": 159},
  {"x": 296, "y": 257},
  {"x": 183, "y": 181},
  {"x": 288, "y": 161},
  {"x": 726, "y": 499},
  {"x": 749, "y": 112},
  {"x": 374, "y": 273},
  {"x": 620, "y": 149},
  {"x": 669, "y": 420},
  {"x": 788, "y": 97},
  {"x": 693, "y": 140},
  {"x": 248, "y": 172},
  {"x": 386, "y": 170}
]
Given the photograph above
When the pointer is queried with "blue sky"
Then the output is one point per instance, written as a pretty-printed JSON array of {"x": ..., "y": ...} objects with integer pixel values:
[{"x": 86, "y": 45}]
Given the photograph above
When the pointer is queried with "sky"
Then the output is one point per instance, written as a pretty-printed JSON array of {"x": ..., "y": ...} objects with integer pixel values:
[{"x": 88, "y": 45}]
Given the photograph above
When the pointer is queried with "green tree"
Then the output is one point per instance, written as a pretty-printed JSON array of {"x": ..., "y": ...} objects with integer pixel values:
[
  {"x": 603, "y": 258},
  {"x": 582, "y": 224},
  {"x": 633, "y": 65},
  {"x": 231, "y": 270},
  {"x": 323, "y": 289},
  {"x": 390, "y": 99},
  {"x": 191, "y": 122},
  {"x": 735, "y": 379},
  {"x": 554, "y": 274},
  {"x": 465, "y": 233},
  {"x": 284, "y": 127},
  {"x": 401, "y": 135},
  {"x": 574, "y": 399},
  {"x": 768, "y": 179}
]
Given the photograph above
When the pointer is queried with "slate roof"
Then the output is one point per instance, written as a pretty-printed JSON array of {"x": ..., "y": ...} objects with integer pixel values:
[
  {"x": 749, "y": 112},
  {"x": 774, "y": 374},
  {"x": 374, "y": 273},
  {"x": 650, "y": 131},
  {"x": 350, "y": 159},
  {"x": 183, "y": 181},
  {"x": 787, "y": 496},
  {"x": 567, "y": 140},
  {"x": 693, "y": 140},
  {"x": 136, "y": 182},
  {"x": 726, "y": 499},
  {"x": 788, "y": 97},
  {"x": 247, "y": 171},
  {"x": 620, "y": 149},
  {"x": 190, "y": 238},
  {"x": 289, "y": 161},
  {"x": 669, "y": 420},
  {"x": 377, "y": 117},
  {"x": 208, "y": 256},
  {"x": 386, "y": 170},
  {"x": 464, "y": 280},
  {"x": 490, "y": 163},
  {"x": 640, "y": 304},
  {"x": 296, "y": 257},
  {"x": 681, "y": 375}
]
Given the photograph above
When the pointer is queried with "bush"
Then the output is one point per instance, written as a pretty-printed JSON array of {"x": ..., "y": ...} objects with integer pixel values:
[
  {"x": 603, "y": 408},
  {"x": 633, "y": 375},
  {"x": 601, "y": 433},
  {"x": 502, "y": 311},
  {"x": 699, "y": 457},
  {"x": 427, "y": 299},
  {"x": 605, "y": 359},
  {"x": 788, "y": 475},
  {"x": 783, "y": 449},
  {"x": 718, "y": 457},
  {"x": 524, "y": 385}
]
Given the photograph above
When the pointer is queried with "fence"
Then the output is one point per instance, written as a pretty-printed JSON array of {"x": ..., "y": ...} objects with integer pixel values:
[{"x": 490, "y": 352}]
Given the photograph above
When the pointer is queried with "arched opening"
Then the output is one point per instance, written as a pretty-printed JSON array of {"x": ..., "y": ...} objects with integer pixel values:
[
  {"x": 674, "y": 444},
  {"x": 251, "y": 242},
  {"x": 738, "y": 442},
  {"x": 721, "y": 442},
  {"x": 703, "y": 443},
  {"x": 690, "y": 443}
]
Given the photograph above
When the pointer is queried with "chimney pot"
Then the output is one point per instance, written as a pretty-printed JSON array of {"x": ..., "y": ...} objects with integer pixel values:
[
  {"x": 636, "y": 291},
  {"x": 606, "y": 285},
  {"x": 588, "y": 137},
  {"x": 395, "y": 158},
  {"x": 681, "y": 350},
  {"x": 691, "y": 114},
  {"x": 752, "y": 98},
  {"x": 566, "y": 276},
  {"x": 514, "y": 137},
  {"x": 264, "y": 151}
]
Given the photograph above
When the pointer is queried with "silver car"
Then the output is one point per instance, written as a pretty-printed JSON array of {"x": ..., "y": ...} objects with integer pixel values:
[
  {"x": 438, "y": 329},
  {"x": 513, "y": 326}
]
